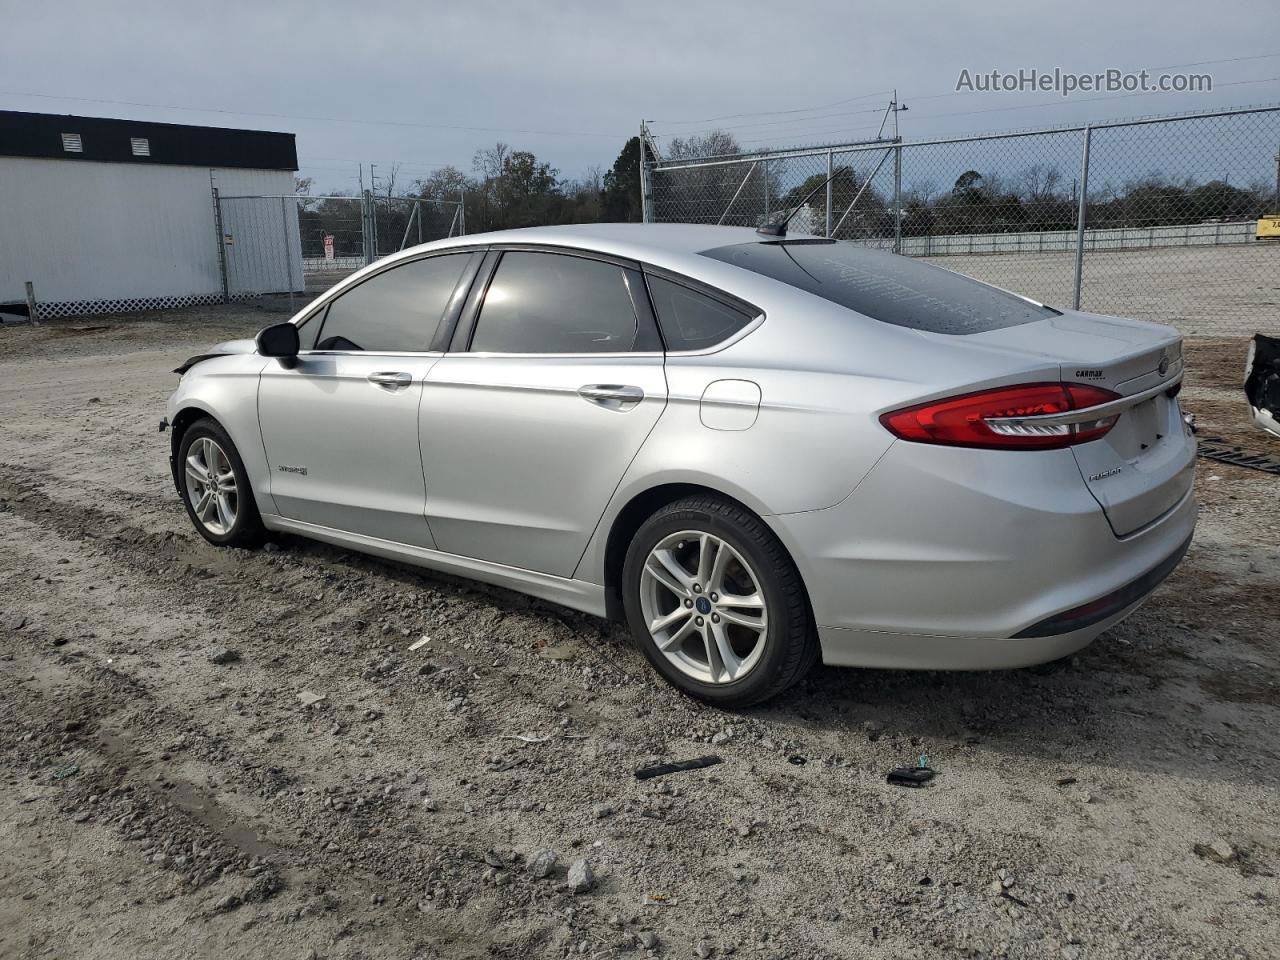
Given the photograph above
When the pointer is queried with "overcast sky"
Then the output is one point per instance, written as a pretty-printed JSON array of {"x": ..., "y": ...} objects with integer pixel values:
[{"x": 572, "y": 80}]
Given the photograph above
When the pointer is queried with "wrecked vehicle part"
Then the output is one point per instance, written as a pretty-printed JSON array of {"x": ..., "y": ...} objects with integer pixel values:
[
  {"x": 1262, "y": 382},
  {"x": 227, "y": 348}
]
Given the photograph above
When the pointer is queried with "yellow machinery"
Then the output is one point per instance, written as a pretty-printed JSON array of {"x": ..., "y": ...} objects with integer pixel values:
[{"x": 1269, "y": 228}]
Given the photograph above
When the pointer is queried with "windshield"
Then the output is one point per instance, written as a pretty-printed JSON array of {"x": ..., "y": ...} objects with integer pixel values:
[{"x": 884, "y": 286}]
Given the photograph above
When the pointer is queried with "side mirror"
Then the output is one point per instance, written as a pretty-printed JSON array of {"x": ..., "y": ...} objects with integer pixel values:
[{"x": 279, "y": 340}]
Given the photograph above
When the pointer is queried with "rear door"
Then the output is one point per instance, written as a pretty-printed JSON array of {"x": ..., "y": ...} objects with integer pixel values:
[
  {"x": 340, "y": 426},
  {"x": 554, "y": 381}
]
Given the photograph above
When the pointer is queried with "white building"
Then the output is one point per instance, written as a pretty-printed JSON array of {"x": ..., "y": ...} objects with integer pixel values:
[{"x": 108, "y": 215}]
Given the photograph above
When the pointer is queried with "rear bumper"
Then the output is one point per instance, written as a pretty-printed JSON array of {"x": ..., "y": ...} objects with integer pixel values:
[
  {"x": 951, "y": 559},
  {"x": 913, "y": 651}
]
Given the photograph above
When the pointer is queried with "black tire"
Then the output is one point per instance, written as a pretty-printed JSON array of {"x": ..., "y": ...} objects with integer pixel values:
[
  {"x": 791, "y": 643},
  {"x": 247, "y": 530}
]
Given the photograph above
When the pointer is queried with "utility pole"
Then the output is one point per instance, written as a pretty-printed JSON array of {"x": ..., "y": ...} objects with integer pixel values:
[
  {"x": 644, "y": 174},
  {"x": 897, "y": 175}
]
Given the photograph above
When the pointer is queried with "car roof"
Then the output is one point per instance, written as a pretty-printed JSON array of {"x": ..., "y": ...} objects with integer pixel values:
[
  {"x": 649, "y": 242},
  {"x": 636, "y": 238}
]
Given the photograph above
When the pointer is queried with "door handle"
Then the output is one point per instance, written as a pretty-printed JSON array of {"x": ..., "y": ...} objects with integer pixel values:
[
  {"x": 392, "y": 380},
  {"x": 612, "y": 396}
]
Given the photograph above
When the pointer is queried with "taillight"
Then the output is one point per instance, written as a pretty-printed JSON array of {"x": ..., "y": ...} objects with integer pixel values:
[{"x": 1033, "y": 416}]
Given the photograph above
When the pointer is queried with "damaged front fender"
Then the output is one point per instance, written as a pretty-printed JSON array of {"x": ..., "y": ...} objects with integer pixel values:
[{"x": 226, "y": 349}]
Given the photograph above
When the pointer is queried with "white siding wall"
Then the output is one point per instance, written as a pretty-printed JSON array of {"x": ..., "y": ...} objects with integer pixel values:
[{"x": 84, "y": 231}]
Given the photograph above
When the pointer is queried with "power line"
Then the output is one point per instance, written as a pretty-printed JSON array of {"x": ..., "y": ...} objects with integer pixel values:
[
  {"x": 1172, "y": 66},
  {"x": 772, "y": 113},
  {"x": 771, "y": 123},
  {"x": 1065, "y": 100}
]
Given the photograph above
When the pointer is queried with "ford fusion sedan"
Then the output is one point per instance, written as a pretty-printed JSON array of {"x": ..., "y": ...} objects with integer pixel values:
[{"x": 756, "y": 451}]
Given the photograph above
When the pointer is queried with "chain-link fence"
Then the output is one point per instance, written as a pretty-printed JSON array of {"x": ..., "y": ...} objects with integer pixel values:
[
  {"x": 1157, "y": 218},
  {"x": 299, "y": 246}
]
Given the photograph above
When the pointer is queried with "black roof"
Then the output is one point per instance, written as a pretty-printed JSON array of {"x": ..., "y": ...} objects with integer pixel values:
[{"x": 40, "y": 135}]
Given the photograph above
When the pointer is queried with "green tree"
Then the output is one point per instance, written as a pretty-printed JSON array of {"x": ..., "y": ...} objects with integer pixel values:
[{"x": 621, "y": 201}]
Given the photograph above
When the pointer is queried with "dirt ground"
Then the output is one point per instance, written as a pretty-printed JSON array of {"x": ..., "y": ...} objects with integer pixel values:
[{"x": 169, "y": 793}]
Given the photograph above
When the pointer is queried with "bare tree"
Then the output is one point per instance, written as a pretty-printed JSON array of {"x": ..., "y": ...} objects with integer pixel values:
[
  {"x": 1040, "y": 183},
  {"x": 389, "y": 179}
]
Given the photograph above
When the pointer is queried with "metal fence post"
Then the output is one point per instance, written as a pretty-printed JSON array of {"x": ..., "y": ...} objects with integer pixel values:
[
  {"x": 288, "y": 250},
  {"x": 222, "y": 243},
  {"x": 462, "y": 213},
  {"x": 366, "y": 226},
  {"x": 897, "y": 192},
  {"x": 1078, "y": 280},
  {"x": 828, "y": 231},
  {"x": 766, "y": 190}
]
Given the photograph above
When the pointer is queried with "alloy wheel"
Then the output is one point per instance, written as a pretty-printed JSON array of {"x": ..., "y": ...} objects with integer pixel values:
[
  {"x": 211, "y": 486},
  {"x": 703, "y": 606}
]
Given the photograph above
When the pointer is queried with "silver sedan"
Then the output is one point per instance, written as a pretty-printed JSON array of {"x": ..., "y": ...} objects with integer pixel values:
[{"x": 757, "y": 451}]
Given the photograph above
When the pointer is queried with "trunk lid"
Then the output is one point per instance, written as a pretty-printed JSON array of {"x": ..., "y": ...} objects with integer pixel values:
[{"x": 1144, "y": 465}]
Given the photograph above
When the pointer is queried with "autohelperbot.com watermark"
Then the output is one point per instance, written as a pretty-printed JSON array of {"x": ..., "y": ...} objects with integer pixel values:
[{"x": 1065, "y": 83}]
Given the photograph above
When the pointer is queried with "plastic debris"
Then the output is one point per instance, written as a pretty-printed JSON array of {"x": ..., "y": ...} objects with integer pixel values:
[
  {"x": 658, "y": 900},
  {"x": 679, "y": 766},
  {"x": 910, "y": 776}
]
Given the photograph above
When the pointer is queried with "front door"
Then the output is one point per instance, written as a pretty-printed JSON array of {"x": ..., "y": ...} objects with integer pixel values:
[
  {"x": 340, "y": 427},
  {"x": 527, "y": 432}
]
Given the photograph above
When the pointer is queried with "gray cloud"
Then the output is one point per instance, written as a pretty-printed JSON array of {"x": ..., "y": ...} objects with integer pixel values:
[{"x": 571, "y": 80}]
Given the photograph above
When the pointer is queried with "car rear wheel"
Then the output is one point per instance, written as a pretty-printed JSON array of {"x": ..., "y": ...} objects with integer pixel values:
[
  {"x": 716, "y": 604},
  {"x": 215, "y": 487}
]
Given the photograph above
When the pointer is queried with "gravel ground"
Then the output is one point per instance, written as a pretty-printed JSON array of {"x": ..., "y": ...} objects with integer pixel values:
[{"x": 226, "y": 753}]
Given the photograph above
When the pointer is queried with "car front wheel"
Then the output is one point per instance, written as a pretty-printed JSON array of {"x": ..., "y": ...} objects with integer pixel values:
[
  {"x": 215, "y": 487},
  {"x": 716, "y": 603}
]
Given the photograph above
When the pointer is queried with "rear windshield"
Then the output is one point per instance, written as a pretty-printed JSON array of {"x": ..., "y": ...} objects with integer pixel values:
[{"x": 885, "y": 286}]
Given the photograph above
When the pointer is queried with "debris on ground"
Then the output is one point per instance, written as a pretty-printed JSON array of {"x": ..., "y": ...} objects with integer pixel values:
[
  {"x": 909, "y": 776},
  {"x": 224, "y": 655},
  {"x": 310, "y": 699},
  {"x": 658, "y": 900},
  {"x": 680, "y": 766}
]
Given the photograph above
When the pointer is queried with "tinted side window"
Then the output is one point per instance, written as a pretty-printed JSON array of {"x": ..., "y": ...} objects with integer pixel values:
[
  {"x": 551, "y": 303},
  {"x": 309, "y": 329},
  {"x": 395, "y": 311},
  {"x": 692, "y": 320}
]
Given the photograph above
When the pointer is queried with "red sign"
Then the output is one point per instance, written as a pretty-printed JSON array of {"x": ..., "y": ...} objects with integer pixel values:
[{"x": 328, "y": 246}]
